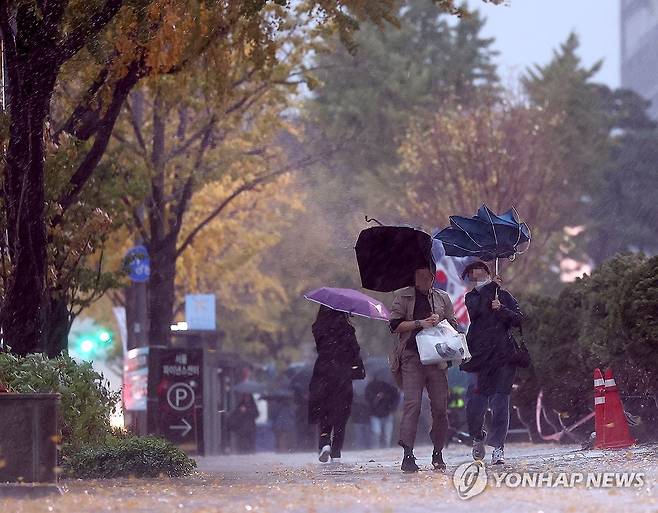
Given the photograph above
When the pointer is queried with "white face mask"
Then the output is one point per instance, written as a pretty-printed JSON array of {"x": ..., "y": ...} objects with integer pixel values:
[{"x": 480, "y": 284}]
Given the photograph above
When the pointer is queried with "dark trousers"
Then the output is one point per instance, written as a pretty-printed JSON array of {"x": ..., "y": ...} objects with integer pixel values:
[
  {"x": 333, "y": 435},
  {"x": 478, "y": 403}
]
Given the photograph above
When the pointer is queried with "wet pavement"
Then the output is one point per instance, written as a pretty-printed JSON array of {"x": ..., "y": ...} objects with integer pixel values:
[{"x": 365, "y": 481}]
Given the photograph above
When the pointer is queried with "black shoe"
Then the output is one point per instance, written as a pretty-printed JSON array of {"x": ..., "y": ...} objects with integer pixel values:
[
  {"x": 335, "y": 454},
  {"x": 409, "y": 464},
  {"x": 408, "y": 460},
  {"x": 437, "y": 461},
  {"x": 479, "y": 451}
]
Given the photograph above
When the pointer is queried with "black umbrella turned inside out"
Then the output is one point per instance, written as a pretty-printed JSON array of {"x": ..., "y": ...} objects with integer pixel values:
[{"x": 388, "y": 256}]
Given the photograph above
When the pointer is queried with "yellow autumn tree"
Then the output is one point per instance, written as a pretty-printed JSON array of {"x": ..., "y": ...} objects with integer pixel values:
[
  {"x": 71, "y": 65},
  {"x": 316, "y": 251},
  {"x": 227, "y": 259},
  {"x": 199, "y": 155}
]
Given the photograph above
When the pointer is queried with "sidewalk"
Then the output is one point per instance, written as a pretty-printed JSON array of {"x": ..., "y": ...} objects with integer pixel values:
[
  {"x": 366, "y": 481},
  {"x": 256, "y": 468}
]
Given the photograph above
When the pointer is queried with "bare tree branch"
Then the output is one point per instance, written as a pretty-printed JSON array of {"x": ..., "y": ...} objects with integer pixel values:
[
  {"x": 135, "y": 122},
  {"x": 247, "y": 100},
  {"x": 139, "y": 224},
  {"x": 249, "y": 186},
  {"x": 182, "y": 123},
  {"x": 189, "y": 185},
  {"x": 129, "y": 144},
  {"x": 93, "y": 157},
  {"x": 200, "y": 133},
  {"x": 83, "y": 121},
  {"x": 87, "y": 31},
  {"x": 216, "y": 33},
  {"x": 117, "y": 298}
]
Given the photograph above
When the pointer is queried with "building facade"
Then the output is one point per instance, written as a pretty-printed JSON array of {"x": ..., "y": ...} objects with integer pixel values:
[{"x": 639, "y": 49}]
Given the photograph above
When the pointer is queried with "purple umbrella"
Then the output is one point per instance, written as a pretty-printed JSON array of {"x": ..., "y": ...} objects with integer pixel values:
[{"x": 349, "y": 301}]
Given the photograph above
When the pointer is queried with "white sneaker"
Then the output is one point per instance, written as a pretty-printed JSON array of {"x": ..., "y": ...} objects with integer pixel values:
[
  {"x": 324, "y": 454},
  {"x": 498, "y": 456}
]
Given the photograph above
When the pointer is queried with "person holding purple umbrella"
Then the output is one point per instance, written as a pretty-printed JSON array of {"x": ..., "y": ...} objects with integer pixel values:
[
  {"x": 338, "y": 361},
  {"x": 349, "y": 301},
  {"x": 330, "y": 389}
]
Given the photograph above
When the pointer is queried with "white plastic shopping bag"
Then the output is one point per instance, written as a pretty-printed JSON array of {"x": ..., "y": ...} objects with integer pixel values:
[{"x": 442, "y": 344}]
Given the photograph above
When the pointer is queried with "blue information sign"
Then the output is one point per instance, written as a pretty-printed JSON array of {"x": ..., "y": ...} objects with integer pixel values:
[{"x": 138, "y": 264}]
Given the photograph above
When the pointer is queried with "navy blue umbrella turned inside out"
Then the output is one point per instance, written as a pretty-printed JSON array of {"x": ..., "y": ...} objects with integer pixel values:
[{"x": 486, "y": 235}]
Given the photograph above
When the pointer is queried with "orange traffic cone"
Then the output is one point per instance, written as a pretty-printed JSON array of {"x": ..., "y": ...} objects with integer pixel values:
[
  {"x": 615, "y": 430},
  {"x": 599, "y": 408}
]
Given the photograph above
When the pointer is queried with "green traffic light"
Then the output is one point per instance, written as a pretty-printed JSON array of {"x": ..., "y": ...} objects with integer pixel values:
[
  {"x": 92, "y": 343},
  {"x": 87, "y": 346}
]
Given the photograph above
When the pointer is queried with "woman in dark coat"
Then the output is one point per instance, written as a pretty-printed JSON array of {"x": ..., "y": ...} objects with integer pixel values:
[
  {"x": 330, "y": 398},
  {"x": 493, "y": 311}
]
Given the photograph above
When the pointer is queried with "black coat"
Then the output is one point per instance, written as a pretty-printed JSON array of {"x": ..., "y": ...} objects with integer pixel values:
[
  {"x": 242, "y": 421},
  {"x": 244, "y": 415},
  {"x": 330, "y": 389},
  {"x": 489, "y": 339}
]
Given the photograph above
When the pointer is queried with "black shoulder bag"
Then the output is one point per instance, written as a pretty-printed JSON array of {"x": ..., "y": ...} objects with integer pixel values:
[{"x": 521, "y": 355}]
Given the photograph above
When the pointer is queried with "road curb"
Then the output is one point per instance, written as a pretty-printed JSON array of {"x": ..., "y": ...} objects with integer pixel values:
[{"x": 28, "y": 490}]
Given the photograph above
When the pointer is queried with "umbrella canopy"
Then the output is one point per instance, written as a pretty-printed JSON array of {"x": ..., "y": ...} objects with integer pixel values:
[
  {"x": 388, "y": 256},
  {"x": 300, "y": 379},
  {"x": 249, "y": 387},
  {"x": 280, "y": 393},
  {"x": 349, "y": 301},
  {"x": 486, "y": 235}
]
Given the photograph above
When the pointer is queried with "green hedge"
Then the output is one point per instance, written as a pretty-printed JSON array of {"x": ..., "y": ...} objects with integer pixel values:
[
  {"x": 128, "y": 456},
  {"x": 87, "y": 401},
  {"x": 90, "y": 448},
  {"x": 607, "y": 319}
]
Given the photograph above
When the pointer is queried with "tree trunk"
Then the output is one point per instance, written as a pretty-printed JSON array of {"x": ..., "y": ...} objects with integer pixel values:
[
  {"x": 22, "y": 316},
  {"x": 57, "y": 324},
  {"x": 161, "y": 290},
  {"x": 162, "y": 243},
  {"x": 34, "y": 50}
]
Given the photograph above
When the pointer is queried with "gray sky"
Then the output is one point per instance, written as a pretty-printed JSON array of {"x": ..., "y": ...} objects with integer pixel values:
[{"x": 527, "y": 31}]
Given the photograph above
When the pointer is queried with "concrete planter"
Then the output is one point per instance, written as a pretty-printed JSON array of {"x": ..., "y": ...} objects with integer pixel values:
[{"x": 29, "y": 434}]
